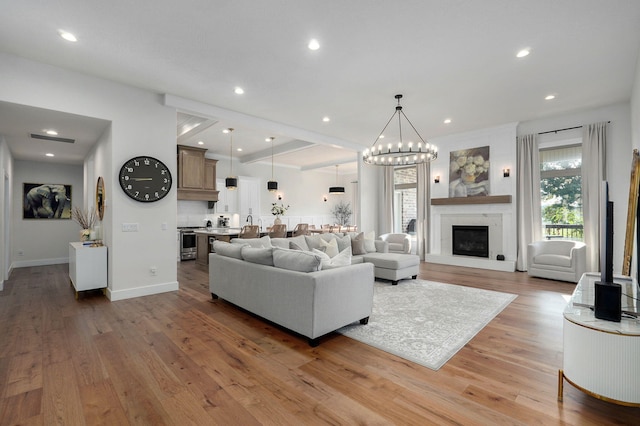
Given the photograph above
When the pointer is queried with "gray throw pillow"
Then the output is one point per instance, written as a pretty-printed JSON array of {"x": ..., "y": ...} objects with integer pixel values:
[
  {"x": 263, "y": 256},
  {"x": 296, "y": 260},
  {"x": 357, "y": 244},
  {"x": 227, "y": 249},
  {"x": 294, "y": 246}
]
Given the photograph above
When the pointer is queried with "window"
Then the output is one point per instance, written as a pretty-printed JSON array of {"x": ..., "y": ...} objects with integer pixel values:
[
  {"x": 561, "y": 192},
  {"x": 405, "y": 206}
]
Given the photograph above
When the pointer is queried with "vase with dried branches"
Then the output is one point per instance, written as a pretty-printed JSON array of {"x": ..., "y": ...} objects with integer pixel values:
[{"x": 86, "y": 219}]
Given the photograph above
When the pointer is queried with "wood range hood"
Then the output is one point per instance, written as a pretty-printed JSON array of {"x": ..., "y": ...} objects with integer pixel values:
[{"x": 196, "y": 175}]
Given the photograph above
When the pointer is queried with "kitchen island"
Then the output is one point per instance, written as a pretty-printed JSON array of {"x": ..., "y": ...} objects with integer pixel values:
[{"x": 205, "y": 238}]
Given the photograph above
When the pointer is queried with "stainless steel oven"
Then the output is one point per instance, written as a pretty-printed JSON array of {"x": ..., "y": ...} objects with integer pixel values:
[{"x": 187, "y": 244}]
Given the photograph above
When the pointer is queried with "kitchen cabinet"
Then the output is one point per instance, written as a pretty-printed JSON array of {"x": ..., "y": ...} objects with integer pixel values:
[
  {"x": 196, "y": 175},
  {"x": 202, "y": 249},
  {"x": 227, "y": 199},
  {"x": 249, "y": 195},
  {"x": 87, "y": 267}
]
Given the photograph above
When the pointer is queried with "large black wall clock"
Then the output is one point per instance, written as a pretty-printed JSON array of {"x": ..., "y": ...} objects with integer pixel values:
[{"x": 145, "y": 179}]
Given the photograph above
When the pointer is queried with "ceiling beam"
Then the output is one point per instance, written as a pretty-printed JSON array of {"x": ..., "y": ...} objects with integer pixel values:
[
  {"x": 330, "y": 163},
  {"x": 285, "y": 148},
  {"x": 218, "y": 113}
]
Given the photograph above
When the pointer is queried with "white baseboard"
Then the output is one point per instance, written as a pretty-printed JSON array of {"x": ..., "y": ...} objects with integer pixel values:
[
  {"x": 38, "y": 262},
  {"x": 130, "y": 293},
  {"x": 471, "y": 262}
]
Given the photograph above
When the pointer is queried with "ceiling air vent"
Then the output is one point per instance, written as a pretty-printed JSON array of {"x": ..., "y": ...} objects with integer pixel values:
[{"x": 52, "y": 138}]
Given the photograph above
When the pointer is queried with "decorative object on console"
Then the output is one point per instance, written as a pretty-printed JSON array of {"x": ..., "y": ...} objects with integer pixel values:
[
  {"x": 272, "y": 185},
  {"x": 336, "y": 189},
  {"x": 86, "y": 220},
  {"x": 469, "y": 172},
  {"x": 401, "y": 154},
  {"x": 231, "y": 182},
  {"x": 145, "y": 179}
]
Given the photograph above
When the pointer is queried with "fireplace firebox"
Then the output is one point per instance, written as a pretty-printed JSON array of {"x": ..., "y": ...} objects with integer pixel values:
[{"x": 470, "y": 240}]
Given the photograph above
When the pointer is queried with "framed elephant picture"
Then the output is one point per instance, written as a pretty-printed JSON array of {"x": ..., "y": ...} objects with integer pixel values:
[{"x": 46, "y": 201}]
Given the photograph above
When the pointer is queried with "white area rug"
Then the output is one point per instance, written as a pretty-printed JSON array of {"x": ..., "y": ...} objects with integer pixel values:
[{"x": 426, "y": 322}]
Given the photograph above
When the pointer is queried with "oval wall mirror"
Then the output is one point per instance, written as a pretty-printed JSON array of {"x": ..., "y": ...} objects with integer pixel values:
[{"x": 100, "y": 196}]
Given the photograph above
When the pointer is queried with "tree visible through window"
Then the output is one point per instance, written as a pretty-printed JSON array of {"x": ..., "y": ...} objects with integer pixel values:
[{"x": 561, "y": 192}]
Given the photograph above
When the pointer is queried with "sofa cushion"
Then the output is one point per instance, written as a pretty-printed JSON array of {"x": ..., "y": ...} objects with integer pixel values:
[
  {"x": 357, "y": 244},
  {"x": 227, "y": 249},
  {"x": 341, "y": 259},
  {"x": 294, "y": 246},
  {"x": 296, "y": 260},
  {"x": 300, "y": 241},
  {"x": 264, "y": 242},
  {"x": 369, "y": 244},
  {"x": 552, "y": 260},
  {"x": 263, "y": 256},
  {"x": 343, "y": 242},
  {"x": 280, "y": 242},
  {"x": 330, "y": 247}
]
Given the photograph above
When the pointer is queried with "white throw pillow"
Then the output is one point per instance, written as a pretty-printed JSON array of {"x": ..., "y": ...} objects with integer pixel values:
[
  {"x": 330, "y": 247},
  {"x": 229, "y": 250},
  {"x": 341, "y": 259},
  {"x": 369, "y": 244}
]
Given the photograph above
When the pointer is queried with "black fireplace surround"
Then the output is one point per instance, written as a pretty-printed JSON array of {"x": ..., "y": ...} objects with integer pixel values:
[{"x": 470, "y": 240}]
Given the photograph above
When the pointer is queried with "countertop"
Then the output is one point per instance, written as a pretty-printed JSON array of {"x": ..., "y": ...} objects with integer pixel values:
[{"x": 218, "y": 231}]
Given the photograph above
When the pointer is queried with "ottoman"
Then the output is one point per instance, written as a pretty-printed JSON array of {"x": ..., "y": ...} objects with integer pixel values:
[{"x": 393, "y": 266}]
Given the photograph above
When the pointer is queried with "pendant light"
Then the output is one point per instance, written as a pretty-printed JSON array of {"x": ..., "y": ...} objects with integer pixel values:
[
  {"x": 272, "y": 185},
  {"x": 336, "y": 189},
  {"x": 231, "y": 182}
]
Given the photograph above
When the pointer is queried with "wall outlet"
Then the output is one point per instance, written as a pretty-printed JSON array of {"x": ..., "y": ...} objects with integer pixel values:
[
  {"x": 153, "y": 270},
  {"x": 129, "y": 227}
]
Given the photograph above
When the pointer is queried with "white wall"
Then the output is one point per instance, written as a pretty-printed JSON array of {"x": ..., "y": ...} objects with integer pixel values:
[
  {"x": 43, "y": 241},
  {"x": 635, "y": 143},
  {"x": 6, "y": 183},
  {"x": 618, "y": 163},
  {"x": 140, "y": 125}
]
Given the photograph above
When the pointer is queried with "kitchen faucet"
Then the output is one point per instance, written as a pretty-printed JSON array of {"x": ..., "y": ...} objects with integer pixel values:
[
  {"x": 250, "y": 219},
  {"x": 260, "y": 222}
]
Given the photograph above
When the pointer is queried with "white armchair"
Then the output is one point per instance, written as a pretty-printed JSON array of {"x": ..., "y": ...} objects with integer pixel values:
[
  {"x": 398, "y": 243},
  {"x": 557, "y": 259}
]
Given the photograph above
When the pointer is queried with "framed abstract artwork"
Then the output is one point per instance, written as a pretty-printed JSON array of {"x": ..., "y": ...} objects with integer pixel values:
[{"x": 46, "y": 201}]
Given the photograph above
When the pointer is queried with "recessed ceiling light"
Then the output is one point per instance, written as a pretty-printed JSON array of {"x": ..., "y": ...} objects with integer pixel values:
[
  {"x": 381, "y": 137},
  {"x": 200, "y": 143},
  {"x": 225, "y": 130},
  {"x": 48, "y": 154},
  {"x": 523, "y": 53},
  {"x": 549, "y": 97},
  {"x": 238, "y": 91},
  {"x": 51, "y": 132},
  {"x": 239, "y": 149},
  {"x": 313, "y": 44},
  {"x": 326, "y": 119},
  {"x": 67, "y": 36},
  {"x": 447, "y": 120},
  {"x": 269, "y": 139}
]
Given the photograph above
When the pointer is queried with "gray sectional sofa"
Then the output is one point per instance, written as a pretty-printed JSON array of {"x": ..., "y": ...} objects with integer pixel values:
[{"x": 290, "y": 287}]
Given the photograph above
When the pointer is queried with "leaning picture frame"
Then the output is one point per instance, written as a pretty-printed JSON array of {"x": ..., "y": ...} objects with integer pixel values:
[
  {"x": 632, "y": 211},
  {"x": 46, "y": 201}
]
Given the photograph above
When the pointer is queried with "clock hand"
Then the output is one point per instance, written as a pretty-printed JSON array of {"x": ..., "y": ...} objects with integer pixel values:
[{"x": 142, "y": 178}]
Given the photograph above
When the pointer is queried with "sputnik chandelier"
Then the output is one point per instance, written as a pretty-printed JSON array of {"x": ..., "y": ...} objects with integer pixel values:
[{"x": 398, "y": 152}]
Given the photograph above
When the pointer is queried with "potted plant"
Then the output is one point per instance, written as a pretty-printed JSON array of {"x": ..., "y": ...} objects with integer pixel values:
[
  {"x": 86, "y": 220},
  {"x": 342, "y": 213},
  {"x": 277, "y": 211}
]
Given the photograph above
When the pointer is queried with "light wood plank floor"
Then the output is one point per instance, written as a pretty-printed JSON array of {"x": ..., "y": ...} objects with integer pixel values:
[{"x": 180, "y": 358}]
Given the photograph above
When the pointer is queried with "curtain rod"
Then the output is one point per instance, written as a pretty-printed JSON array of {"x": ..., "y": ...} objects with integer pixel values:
[{"x": 562, "y": 130}]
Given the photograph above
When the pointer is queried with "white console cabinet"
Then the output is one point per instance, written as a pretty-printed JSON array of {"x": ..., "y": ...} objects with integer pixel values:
[
  {"x": 602, "y": 358},
  {"x": 87, "y": 267}
]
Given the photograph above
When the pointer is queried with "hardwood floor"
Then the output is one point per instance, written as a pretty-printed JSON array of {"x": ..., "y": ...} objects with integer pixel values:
[{"x": 181, "y": 358}]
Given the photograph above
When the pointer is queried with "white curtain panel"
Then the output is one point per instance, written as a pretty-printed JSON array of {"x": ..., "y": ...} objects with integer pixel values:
[
  {"x": 387, "y": 201},
  {"x": 529, "y": 216},
  {"x": 423, "y": 199},
  {"x": 594, "y": 143}
]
